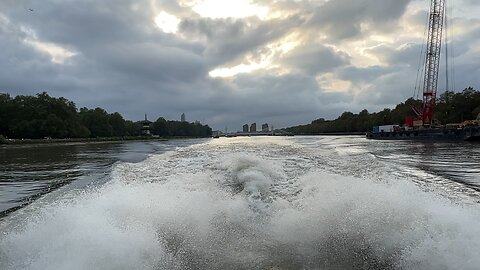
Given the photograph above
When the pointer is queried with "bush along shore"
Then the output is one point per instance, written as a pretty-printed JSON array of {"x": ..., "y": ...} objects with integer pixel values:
[{"x": 46, "y": 119}]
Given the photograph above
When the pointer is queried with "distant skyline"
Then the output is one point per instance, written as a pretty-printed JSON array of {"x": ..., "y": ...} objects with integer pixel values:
[{"x": 227, "y": 63}]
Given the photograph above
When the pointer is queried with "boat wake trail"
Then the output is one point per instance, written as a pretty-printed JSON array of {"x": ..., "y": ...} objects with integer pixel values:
[{"x": 266, "y": 206}]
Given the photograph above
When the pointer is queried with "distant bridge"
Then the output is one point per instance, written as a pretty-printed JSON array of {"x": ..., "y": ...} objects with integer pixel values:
[{"x": 276, "y": 132}]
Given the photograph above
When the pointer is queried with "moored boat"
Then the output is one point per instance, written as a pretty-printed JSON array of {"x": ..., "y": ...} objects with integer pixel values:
[{"x": 470, "y": 133}]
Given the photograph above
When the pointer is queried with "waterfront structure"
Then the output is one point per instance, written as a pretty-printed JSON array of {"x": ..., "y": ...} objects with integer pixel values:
[
  {"x": 245, "y": 128},
  {"x": 253, "y": 128},
  {"x": 182, "y": 117},
  {"x": 216, "y": 133},
  {"x": 265, "y": 128},
  {"x": 146, "y": 127}
]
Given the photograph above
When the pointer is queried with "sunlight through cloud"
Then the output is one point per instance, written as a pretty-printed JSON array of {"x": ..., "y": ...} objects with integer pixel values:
[
  {"x": 229, "y": 9},
  {"x": 329, "y": 83},
  {"x": 230, "y": 72},
  {"x": 167, "y": 23},
  {"x": 57, "y": 54}
]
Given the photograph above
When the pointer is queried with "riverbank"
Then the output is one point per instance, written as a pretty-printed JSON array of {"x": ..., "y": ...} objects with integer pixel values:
[
  {"x": 16, "y": 142},
  {"x": 355, "y": 133}
]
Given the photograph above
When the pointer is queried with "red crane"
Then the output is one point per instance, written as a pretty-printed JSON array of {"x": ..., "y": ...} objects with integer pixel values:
[{"x": 432, "y": 61}]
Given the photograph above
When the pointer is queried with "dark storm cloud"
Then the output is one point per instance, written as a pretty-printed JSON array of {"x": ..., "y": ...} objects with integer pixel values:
[
  {"x": 24, "y": 68},
  {"x": 113, "y": 44},
  {"x": 363, "y": 75},
  {"x": 316, "y": 59},
  {"x": 81, "y": 23},
  {"x": 343, "y": 18},
  {"x": 227, "y": 39},
  {"x": 152, "y": 62}
]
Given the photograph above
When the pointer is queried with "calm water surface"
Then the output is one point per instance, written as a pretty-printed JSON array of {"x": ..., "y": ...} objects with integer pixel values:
[{"x": 241, "y": 203}]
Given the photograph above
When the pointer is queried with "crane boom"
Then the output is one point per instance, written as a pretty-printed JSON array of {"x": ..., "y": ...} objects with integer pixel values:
[{"x": 432, "y": 61}]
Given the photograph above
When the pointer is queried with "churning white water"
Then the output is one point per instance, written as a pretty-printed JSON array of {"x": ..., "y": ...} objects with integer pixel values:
[{"x": 251, "y": 203}]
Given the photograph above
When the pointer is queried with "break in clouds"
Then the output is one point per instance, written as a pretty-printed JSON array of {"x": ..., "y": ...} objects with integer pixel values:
[{"x": 226, "y": 63}]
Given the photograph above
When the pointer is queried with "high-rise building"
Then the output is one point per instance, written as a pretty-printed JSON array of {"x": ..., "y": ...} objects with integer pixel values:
[
  {"x": 265, "y": 127},
  {"x": 245, "y": 128},
  {"x": 253, "y": 128},
  {"x": 182, "y": 118}
]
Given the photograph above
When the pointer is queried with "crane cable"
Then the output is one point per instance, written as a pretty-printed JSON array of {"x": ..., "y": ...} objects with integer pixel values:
[
  {"x": 447, "y": 83},
  {"x": 421, "y": 62},
  {"x": 449, "y": 51},
  {"x": 452, "y": 52}
]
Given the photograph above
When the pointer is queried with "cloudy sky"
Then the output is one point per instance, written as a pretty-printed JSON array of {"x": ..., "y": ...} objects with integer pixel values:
[{"x": 227, "y": 62}]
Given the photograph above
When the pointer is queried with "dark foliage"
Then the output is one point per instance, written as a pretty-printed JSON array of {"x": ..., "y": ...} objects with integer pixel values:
[
  {"x": 42, "y": 116},
  {"x": 166, "y": 128},
  {"x": 451, "y": 108},
  {"x": 39, "y": 116}
]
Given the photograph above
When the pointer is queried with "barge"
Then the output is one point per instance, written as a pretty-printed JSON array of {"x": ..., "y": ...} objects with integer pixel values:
[{"x": 471, "y": 133}]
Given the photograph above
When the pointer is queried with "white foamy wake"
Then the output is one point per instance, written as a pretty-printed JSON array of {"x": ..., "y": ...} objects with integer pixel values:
[{"x": 203, "y": 207}]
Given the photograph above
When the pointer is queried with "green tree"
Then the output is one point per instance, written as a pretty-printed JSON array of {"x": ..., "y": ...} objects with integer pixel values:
[
  {"x": 161, "y": 127},
  {"x": 97, "y": 121},
  {"x": 38, "y": 116},
  {"x": 133, "y": 128},
  {"x": 6, "y": 112},
  {"x": 118, "y": 124}
]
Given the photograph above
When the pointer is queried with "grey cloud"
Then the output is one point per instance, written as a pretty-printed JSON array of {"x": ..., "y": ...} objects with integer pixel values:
[
  {"x": 278, "y": 100},
  {"x": 286, "y": 100},
  {"x": 404, "y": 54},
  {"x": 343, "y": 18},
  {"x": 314, "y": 59},
  {"x": 388, "y": 90},
  {"x": 154, "y": 62},
  {"x": 24, "y": 68},
  {"x": 78, "y": 23},
  {"x": 363, "y": 75},
  {"x": 228, "y": 39}
]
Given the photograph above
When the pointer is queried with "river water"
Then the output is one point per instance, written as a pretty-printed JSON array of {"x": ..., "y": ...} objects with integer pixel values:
[{"x": 241, "y": 203}]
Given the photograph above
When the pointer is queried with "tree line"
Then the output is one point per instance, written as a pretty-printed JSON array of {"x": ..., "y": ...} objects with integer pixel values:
[
  {"x": 451, "y": 108},
  {"x": 43, "y": 116}
]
